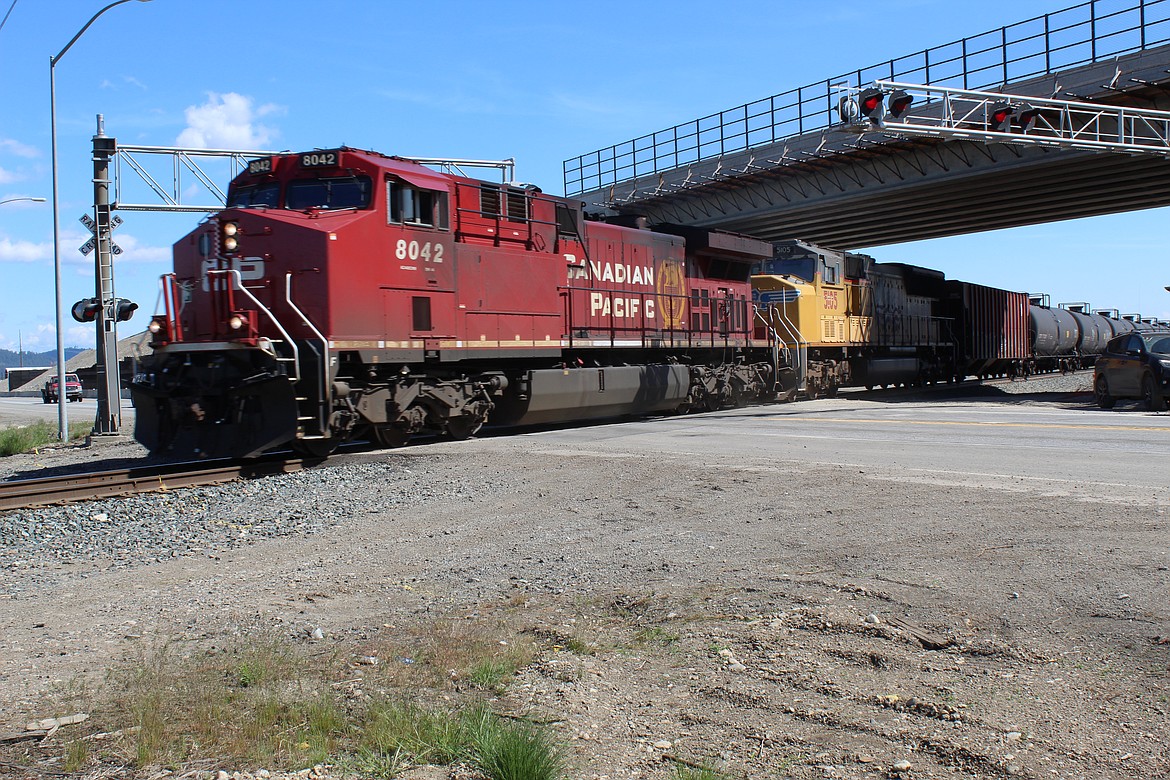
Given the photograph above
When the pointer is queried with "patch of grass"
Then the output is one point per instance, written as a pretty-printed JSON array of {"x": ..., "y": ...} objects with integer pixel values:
[
  {"x": 491, "y": 673},
  {"x": 426, "y": 736},
  {"x": 76, "y": 756},
  {"x": 270, "y": 702},
  {"x": 502, "y": 749},
  {"x": 517, "y": 751},
  {"x": 260, "y": 702},
  {"x": 655, "y": 635},
  {"x": 27, "y": 438},
  {"x": 375, "y": 765},
  {"x": 698, "y": 773}
]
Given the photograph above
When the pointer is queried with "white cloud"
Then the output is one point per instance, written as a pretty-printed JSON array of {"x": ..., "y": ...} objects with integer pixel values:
[
  {"x": 17, "y": 251},
  {"x": 40, "y": 337},
  {"x": 134, "y": 251},
  {"x": 7, "y": 177},
  {"x": 228, "y": 121},
  {"x": 17, "y": 148}
]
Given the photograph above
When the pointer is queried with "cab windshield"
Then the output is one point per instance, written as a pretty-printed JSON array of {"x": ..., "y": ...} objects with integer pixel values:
[
  {"x": 266, "y": 194},
  {"x": 340, "y": 192}
]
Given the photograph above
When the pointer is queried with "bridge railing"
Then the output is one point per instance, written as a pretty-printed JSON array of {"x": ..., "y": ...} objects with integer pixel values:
[{"x": 1082, "y": 34}]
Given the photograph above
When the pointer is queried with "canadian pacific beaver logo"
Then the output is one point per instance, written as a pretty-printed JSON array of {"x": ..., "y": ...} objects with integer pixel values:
[{"x": 672, "y": 292}]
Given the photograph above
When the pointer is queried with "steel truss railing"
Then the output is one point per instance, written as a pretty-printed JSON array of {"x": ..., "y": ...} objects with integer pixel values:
[
  {"x": 182, "y": 160},
  {"x": 185, "y": 171},
  {"x": 1084, "y": 33},
  {"x": 968, "y": 114}
]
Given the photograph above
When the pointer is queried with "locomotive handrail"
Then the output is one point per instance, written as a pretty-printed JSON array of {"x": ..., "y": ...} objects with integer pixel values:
[
  {"x": 239, "y": 282},
  {"x": 800, "y": 342},
  {"x": 324, "y": 342}
]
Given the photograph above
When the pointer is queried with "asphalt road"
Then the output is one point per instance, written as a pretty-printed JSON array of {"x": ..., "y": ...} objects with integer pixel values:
[
  {"x": 1061, "y": 449},
  {"x": 20, "y": 411}
]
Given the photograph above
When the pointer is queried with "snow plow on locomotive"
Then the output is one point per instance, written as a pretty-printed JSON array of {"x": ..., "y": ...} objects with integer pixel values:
[{"x": 344, "y": 293}]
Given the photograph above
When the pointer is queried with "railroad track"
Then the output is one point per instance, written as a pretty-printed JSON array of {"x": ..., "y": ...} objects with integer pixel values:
[{"x": 46, "y": 491}]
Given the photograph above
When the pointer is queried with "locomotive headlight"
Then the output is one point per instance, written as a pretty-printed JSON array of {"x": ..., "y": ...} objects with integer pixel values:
[
  {"x": 227, "y": 236},
  {"x": 155, "y": 326},
  {"x": 235, "y": 322}
]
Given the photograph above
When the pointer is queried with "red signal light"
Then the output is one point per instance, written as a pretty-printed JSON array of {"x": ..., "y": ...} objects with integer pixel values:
[
  {"x": 86, "y": 310},
  {"x": 999, "y": 118},
  {"x": 870, "y": 101},
  {"x": 900, "y": 101},
  {"x": 1025, "y": 117}
]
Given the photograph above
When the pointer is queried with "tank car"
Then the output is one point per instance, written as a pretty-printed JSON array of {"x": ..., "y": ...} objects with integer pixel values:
[{"x": 346, "y": 293}]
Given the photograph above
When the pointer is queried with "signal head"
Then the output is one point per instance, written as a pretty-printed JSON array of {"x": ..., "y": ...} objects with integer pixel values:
[
  {"x": 870, "y": 102},
  {"x": 1025, "y": 117},
  {"x": 999, "y": 117},
  {"x": 86, "y": 310},
  {"x": 900, "y": 101},
  {"x": 124, "y": 309}
]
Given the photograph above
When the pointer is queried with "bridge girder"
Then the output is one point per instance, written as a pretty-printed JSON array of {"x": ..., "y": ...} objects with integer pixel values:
[{"x": 847, "y": 191}]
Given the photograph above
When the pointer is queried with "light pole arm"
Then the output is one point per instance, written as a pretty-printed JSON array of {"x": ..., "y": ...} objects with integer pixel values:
[{"x": 73, "y": 40}]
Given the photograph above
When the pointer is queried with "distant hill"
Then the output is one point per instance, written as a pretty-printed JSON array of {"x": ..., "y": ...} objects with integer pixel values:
[{"x": 10, "y": 359}]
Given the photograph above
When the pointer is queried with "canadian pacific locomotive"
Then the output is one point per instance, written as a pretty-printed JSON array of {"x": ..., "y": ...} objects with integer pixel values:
[{"x": 344, "y": 293}]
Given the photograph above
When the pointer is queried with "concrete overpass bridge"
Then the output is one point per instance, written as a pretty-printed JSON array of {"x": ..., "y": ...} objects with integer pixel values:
[{"x": 788, "y": 166}]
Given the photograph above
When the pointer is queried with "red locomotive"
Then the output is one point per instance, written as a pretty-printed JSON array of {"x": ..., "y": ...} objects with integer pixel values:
[{"x": 343, "y": 293}]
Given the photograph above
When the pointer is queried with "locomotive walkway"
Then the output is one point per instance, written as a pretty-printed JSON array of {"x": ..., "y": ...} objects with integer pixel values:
[{"x": 787, "y": 166}]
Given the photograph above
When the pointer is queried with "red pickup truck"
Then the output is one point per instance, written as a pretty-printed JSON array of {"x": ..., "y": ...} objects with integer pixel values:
[{"x": 72, "y": 389}]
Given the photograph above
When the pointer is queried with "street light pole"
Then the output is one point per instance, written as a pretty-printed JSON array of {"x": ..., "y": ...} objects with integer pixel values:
[
  {"x": 14, "y": 200},
  {"x": 62, "y": 414}
]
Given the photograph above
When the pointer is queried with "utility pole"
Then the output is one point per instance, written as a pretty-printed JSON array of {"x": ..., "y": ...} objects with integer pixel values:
[{"x": 109, "y": 384}]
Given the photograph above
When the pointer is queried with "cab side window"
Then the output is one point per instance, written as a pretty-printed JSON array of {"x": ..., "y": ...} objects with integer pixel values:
[{"x": 407, "y": 205}]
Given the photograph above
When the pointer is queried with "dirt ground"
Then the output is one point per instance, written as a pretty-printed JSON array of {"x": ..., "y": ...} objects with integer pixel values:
[{"x": 768, "y": 619}]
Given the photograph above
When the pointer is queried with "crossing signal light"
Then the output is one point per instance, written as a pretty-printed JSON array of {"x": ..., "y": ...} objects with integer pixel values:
[
  {"x": 870, "y": 101},
  {"x": 999, "y": 118},
  {"x": 124, "y": 309},
  {"x": 86, "y": 310},
  {"x": 1025, "y": 117},
  {"x": 899, "y": 103}
]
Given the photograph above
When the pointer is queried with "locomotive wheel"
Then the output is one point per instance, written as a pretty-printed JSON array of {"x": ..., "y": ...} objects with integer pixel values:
[
  {"x": 389, "y": 436},
  {"x": 1101, "y": 391},
  {"x": 315, "y": 448},
  {"x": 1152, "y": 394}
]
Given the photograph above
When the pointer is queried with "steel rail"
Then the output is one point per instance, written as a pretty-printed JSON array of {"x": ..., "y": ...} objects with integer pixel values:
[{"x": 48, "y": 491}]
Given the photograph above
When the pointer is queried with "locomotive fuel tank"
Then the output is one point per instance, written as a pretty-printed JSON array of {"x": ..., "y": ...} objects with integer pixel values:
[{"x": 875, "y": 372}]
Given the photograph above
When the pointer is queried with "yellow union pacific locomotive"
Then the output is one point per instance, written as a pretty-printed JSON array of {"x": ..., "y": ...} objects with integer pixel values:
[{"x": 845, "y": 320}]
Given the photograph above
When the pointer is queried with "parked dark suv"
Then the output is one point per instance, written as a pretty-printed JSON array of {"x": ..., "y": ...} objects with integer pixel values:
[{"x": 1135, "y": 365}]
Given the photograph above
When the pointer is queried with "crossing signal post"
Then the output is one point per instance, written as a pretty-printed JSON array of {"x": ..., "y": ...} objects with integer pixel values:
[{"x": 110, "y": 310}]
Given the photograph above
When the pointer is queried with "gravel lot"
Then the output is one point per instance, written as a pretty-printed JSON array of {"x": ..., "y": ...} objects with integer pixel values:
[{"x": 774, "y": 619}]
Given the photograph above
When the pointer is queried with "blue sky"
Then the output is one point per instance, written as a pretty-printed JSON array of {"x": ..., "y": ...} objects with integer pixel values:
[{"x": 538, "y": 81}]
